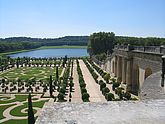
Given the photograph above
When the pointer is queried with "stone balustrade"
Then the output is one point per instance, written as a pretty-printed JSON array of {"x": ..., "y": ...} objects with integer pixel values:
[{"x": 150, "y": 49}]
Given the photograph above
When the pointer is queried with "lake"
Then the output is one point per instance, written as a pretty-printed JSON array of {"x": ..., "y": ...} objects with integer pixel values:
[{"x": 53, "y": 52}]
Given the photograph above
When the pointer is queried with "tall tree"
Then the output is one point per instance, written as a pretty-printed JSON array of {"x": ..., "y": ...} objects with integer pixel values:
[
  {"x": 50, "y": 86},
  {"x": 72, "y": 69},
  {"x": 57, "y": 76},
  {"x": 31, "y": 119},
  {"x": 101, "y": 42}
]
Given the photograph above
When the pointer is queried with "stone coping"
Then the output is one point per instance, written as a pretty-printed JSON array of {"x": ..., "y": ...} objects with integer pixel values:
[{"x": 113, "y": 112}]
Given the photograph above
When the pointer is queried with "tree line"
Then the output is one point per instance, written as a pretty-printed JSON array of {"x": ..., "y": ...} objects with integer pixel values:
[
  {"x": 12, "y": 46},
  {"x": 98, "y": 43},
  {"x": 24, "y": 43},
  {"x": 103, "y": 42}
]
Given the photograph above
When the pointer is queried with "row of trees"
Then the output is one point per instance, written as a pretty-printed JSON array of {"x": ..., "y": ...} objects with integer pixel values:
[
  {"x": 116, "y": 87},
  {"x": 7, "y": 62},
  {"x": 103, "y": 42},
  {"x": 103, "y": 88}
]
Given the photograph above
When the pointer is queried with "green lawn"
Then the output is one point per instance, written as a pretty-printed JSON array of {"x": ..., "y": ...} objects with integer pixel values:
[
  {"x": 25, "y": 121},
  {"x": 17, "y": 111},
  {"x": 2, "y": 109},
  {"x": 18, "y": 98}
]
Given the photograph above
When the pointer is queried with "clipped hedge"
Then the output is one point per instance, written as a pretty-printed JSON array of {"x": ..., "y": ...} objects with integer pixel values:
[
  {"x": 84, "y": 93},
  {"x": 109, "y": 96}
]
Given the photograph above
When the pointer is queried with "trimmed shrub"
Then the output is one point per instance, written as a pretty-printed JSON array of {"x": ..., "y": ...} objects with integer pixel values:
[
  {"x": 85, "y": 97},
  {"x": 107, "y": 77},
  {"x": 70, "y": 95},
  {"x": 101, "y": 82},
  {"x": 82, "y": 85},
  {"x": 115, "y": 85},
  {"x": 83, "y": 90},
  {"x": 109, "y": 96},
  {"x": 127, "y": 95},
  {"x": 119, "y": 92},
  {"x": 105, "y": 91},
  {"x": 60, "y": 97},
  {"x": 102, "y": 85},
  {"x": 62, "y": 90}
]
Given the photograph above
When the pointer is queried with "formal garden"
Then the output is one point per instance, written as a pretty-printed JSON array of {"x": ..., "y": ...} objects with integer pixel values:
[
  {"x": 52, "y": 80},
  {"x": 13, "y": 108}
]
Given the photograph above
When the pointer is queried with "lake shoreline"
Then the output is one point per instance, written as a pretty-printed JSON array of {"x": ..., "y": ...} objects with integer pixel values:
[{"x": 44, "y": 47}]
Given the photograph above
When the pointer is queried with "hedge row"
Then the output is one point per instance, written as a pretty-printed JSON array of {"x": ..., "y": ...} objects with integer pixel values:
[
  {"x": 84, "y": 93},
  {"x": 105, "y": 91},
  {"x": 103, "y": 74},
  {"x": 63, "y": 84}
]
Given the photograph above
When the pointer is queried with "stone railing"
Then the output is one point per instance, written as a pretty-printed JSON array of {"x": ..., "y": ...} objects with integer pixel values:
[{"x": 149, "y": 49}]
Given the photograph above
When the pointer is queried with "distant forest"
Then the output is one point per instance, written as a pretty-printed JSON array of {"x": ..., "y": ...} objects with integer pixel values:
[
  {"x": 101, "y": 42},
  {"x": 24, "y": 43}
]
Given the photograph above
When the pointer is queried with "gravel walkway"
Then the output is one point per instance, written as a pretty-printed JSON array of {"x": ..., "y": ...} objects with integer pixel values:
[
  {"x": 91, "y": 86},
  {"x": 76, "y": 96}
]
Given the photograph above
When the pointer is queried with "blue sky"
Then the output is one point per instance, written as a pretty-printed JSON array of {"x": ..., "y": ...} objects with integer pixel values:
[{"x": 57, "y": 18}]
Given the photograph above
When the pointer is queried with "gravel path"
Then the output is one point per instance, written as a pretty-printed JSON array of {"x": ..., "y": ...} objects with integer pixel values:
[
  {"x": 76, "y": 96},
  {"x": 91, "y": 86}
]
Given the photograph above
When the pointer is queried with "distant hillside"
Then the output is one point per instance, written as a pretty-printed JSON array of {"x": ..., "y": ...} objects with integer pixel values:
[
  {"x": 20, "y": 43},
  {"x": 66, "y": 38}
]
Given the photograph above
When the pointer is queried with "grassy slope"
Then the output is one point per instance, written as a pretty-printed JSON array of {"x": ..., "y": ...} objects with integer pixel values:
[{"x": 44, "y": 47}]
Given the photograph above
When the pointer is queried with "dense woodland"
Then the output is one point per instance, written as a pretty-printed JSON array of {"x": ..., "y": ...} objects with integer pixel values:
[{"x": 24, "y": 43}]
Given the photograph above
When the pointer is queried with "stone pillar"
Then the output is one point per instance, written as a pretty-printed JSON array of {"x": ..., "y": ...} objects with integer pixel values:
[
  {"x": 115, "y": 66},
  {"x": 124, "y": 67},
  {"x": 129, "y": 75},
  {"x": 119, "y": 69},
  {"x": 135, "y": 79}
]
